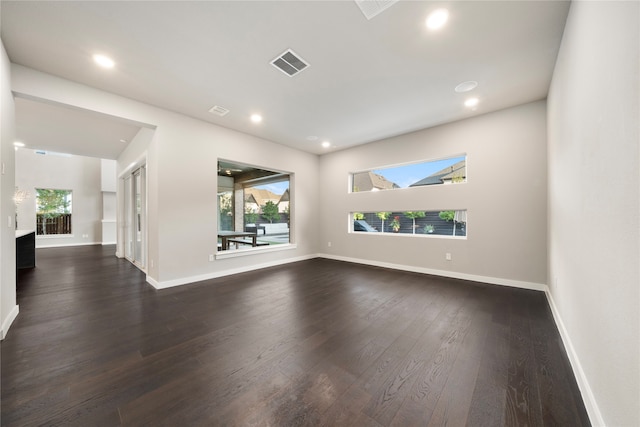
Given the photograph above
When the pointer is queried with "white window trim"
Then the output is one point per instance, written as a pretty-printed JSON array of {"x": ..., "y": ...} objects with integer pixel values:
[{"x": 254, "y": 251}]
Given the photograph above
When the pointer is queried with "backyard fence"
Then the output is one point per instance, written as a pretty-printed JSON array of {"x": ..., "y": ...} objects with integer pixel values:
[
  {"x": 60, "y": 224},
  {"x": 440, "y": 226}
]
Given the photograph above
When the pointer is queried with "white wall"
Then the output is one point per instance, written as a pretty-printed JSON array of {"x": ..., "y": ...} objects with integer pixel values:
[
  {"x": 505, "y": 198},
  {"x": 108, "y": 177},
  {"x": 181, "y": 173},
  {"x": 80, "y": 174},
  {"x": 8, "y": 306},
  {"x": 108, "y": 185},
  {"x": 594, "y": 226},
  {"x": 188, "y": 151}
]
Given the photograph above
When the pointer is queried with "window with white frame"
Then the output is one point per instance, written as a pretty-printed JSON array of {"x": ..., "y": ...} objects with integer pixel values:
[
  {"x": 451, "y": 170},
  {"x": 53, "y": 211},
  {"x": 254, "y": 206},
  {"x": 426, "y": 223}
]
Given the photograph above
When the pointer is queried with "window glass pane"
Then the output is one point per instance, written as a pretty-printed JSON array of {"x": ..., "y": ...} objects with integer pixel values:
[
  {"x": 437, "y": 223},
  {"x": 266, "y": 211},
  {"x": 53, "y": 211},
  {"x": 447, "y": 171},
  {"x": 225, "y": 210},
  {"x": 254, "y": 206}
]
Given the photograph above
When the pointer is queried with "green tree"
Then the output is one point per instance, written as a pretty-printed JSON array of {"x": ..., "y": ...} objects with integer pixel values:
[
  {"x": 358, "y": 215},
  {"x": 383, "y": 216},
  {"x": 447, "y": 215},
  {"x": 225, "y": 209},
  {"x": 51, "y": 204},
  {"x": 413, "y": 215},
  {"x": 250, "y": 216},
  {"x": 270, "y": 211}
]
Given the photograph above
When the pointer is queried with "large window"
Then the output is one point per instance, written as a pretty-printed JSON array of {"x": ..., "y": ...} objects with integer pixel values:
[
  {"x": 428, "y": 223},
  {"x": 254, "y": 206},
  {"x": 451, "y": 170},
  {"x": 53, "y": 211}
]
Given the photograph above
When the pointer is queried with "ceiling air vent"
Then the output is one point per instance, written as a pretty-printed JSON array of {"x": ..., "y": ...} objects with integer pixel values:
[
  {"x": 52, "y": 153},
  {"x": 289, "y": 63},
  {"x": 219, "y": 111},
  {"x": 371, "y": 8}
]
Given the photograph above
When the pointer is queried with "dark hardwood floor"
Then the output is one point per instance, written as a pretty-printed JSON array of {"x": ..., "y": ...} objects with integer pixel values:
[{"x": 316, "y": 342}]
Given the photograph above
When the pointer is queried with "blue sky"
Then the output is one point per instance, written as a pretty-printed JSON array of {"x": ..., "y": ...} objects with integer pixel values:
[
  {"x": 276, "y": 188},
  {"x": 406, "y": 175}
]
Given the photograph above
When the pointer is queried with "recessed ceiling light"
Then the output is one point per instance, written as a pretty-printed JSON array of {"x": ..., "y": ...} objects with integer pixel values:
[
  {"x": 18, "y": 144},
  {"x": 326, "y": 144},
  {"x": 466, "y": 86},
  {"x": 471, "y": 102},
  {"x": 437, "y": 19},
  {"x": 103, "y": 61},
  {"x": 123, "y": 140},
  {"x": 256, "y": 118}
]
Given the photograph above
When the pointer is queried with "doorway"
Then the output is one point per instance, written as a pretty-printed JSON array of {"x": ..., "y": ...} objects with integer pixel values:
[{"x": 135, "y": 208}]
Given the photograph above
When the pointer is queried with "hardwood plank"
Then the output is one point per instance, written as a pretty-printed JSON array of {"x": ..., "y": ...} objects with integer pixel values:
[
  {"x": 523, "y": 397},
  {"x": 434, "y": 361},
  {"x": 454, "y": 403},
  {"x": 487, "y": 408}
]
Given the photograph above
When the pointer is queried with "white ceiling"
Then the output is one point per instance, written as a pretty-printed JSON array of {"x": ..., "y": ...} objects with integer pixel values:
[
  {"x": 367, "y": 79},
  {"x": 62, "y": 129}
]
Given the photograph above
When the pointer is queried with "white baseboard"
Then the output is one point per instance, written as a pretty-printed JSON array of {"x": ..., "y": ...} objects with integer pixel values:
[
  {"x": 595, "y": 416},
  {"x": 192, "y": 279},
  {"x": 108, "y": 243},
  {"x": 6, "y": 324},
  {"x": 452, "y": 274},
  {"x": 63, "y": 245}
]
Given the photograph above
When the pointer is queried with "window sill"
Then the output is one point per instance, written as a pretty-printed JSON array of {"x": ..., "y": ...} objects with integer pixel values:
[
  {"x": 254, "y": 251},
  {"x": 419, "y": 236},
  {"x": 53, "y": 236}
]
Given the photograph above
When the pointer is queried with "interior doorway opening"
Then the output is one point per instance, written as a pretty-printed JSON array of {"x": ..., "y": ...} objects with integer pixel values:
[{"x": 134, "y": 218}]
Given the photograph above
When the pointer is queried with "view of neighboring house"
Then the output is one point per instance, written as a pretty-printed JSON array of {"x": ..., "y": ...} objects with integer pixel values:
[
  {"x": 283, "y": 204},
  {"x": 369, "y": 181},
  {"x": 451, "y": 174},
  {"x": 255, "y": 198}
]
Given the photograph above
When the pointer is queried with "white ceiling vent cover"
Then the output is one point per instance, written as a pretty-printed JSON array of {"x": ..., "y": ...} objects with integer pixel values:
[
  {"x": 219, "y": 111},
  {"x": 371, "y": 8},
  {"x": 289, "y": 63}
]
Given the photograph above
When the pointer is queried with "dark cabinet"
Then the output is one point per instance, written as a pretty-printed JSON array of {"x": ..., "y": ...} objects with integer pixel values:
[{"x": 25, "y": 249}]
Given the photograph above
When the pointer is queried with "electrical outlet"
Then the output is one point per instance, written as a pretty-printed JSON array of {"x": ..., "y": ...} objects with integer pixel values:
[
  {"x": 329, "y": 244},
  {"x": 447, "y": 256},
  {"x": 210, "y": 257}
]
